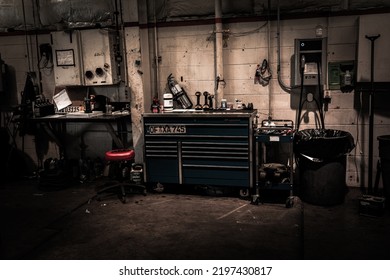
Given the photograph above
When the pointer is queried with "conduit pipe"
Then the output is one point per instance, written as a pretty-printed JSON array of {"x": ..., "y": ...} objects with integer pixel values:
[
  {"x": 269, "y": 58},
  {"x": 280, "y": 81},
  {"x": 156, "y": 53},
  {"x": 218, "y": 94}
]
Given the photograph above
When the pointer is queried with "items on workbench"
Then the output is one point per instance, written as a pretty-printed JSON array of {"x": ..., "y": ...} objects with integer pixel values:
[
  {"x": 43, "y": 108},
  {"x": 168, "y": 102},
  {"x": 198, "y": 106},
  {"x": 224, "y": 104},
  {"x": 155, "y": 107},
  {"x": 87, "y": 105},
  {"x": 179, "y": 94},
  {"x": 210, "y": 99},
  {"x": 206, "y": 104}
]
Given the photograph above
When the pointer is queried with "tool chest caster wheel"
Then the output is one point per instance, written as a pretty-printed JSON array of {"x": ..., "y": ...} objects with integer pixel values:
[
  {"x": 244, "y": 193},
  {"x": 255, "y": 200},
  {"x": 290, "y": 202}
]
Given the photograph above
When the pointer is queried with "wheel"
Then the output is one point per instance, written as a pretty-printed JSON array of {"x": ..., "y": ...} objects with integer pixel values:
[
  {"x": 290, "y": 202},
  {"x": 255, "y": 200},
  {"x": 244, "y": 193},
  {"x": 123, "y": 199}
]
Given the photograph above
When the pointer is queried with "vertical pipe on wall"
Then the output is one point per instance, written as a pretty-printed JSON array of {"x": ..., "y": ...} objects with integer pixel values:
[
  {"x": 156, "y": 60},
  {"x": 280, "y": 81},
  {"x": 218, "y": 50},
  {"x": 26, "y": 38},
  {"x": 145, "y": 54},
  {"x": 123, "y": 51},
  {"x": 269, "y": 58}
]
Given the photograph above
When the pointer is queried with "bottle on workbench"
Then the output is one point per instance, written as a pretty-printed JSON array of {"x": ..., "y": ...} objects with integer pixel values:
[
  {"x": 155, "y": 107},
  {"x": 92, "y": 101},
  {"x": 87, "y": 105}
]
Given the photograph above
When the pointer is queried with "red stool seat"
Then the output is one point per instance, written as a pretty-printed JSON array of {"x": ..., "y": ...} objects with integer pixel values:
[{"x": 120, "y": 155}]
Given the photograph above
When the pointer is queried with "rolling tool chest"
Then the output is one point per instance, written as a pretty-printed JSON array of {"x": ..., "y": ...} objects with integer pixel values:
[
  {"x": 210, "y": 148},
  {"x": 274, "y": 157}
]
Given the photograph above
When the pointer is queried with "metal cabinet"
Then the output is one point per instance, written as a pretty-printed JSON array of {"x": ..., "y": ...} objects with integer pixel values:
[
  {"x": 213, "y": 147},
  {"x": 274, "y": 157}
]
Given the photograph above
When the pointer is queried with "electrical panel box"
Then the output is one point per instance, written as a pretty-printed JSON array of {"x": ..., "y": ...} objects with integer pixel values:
[
  {"x": 341, "y": 75},
  {"x": 98, "y": 57},
  {"x": 66, "y": 58},
  {"x": 85, "y": 57},
  {"x": 310, "y": 54}
]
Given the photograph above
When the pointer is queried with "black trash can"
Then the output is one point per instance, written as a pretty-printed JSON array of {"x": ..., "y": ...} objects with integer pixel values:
[
  {"x": 321, "y": 156},
  {"x": 384, "y": 155}
]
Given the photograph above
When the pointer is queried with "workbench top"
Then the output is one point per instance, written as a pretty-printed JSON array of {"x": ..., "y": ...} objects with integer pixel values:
[{"x": 203, "y": 113}]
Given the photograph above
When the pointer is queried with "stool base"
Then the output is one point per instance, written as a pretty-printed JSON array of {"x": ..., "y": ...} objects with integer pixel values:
[{"x": 121, "y": 189}]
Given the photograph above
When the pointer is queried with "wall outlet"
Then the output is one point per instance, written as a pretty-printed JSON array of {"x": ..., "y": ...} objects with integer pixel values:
[{"x": 352, "y": 179}]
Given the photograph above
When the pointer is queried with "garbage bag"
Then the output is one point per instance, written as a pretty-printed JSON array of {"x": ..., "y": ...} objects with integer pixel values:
[{"x": 323, "y": 143}]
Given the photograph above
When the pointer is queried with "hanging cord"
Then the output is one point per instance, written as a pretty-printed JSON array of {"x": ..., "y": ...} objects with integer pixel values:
[
  {"x": 250, "y": 32},
  {"x": 301, "y": 93},
  {"x": 26, "y": 37},
  {"x": 123, "y": 41},
  {"x": 117, "y": 48},
  {"x": 265, "y": 73},
  {"x": 321, "y": 101}
]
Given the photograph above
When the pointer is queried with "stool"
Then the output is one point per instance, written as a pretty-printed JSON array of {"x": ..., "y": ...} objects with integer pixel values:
[{"x": 118, "y": 163}]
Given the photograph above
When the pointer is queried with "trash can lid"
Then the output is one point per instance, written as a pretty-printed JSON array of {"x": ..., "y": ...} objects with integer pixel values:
[
  {"x": 323, "y": 143},
  {"x": 384, "y": 138}
]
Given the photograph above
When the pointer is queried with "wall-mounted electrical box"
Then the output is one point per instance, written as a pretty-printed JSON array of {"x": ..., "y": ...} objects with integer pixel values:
[
  {"x": 313, "y": 53},
  {"x": 341, "y": 75},
  {"x": 98, "y": 57},
  {"x": 309, "y": 56},
  {"x": 66, "y": 58},
  {"x": 85, "y": 57}
]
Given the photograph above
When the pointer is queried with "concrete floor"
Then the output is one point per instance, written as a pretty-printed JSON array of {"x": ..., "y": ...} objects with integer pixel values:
[{"x": 69, "y": 223}]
